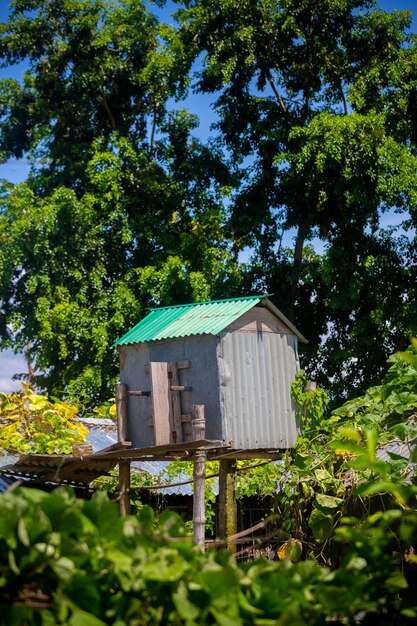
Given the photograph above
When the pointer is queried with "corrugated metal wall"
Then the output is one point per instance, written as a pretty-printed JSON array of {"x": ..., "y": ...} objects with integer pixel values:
[{"x": 256, "y": 372}]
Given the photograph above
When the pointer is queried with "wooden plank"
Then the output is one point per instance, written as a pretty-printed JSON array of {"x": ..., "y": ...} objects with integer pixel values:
[
  {"x": 121, "y": 412},
  {"x": 199, "y": 510},
  {"x": 259, "y": 320},
  {"x": 55, "y": 460},
  {"x": 173, "y": 448},
  {"x": 181, "y": 365},
  {"x": 160, "y": 402},
  {"x": 250, "y": 454},
  {"x": 120, "y": 445},
  {"x": 175, "y": 415},
  {"x": 124, "y": 487}
]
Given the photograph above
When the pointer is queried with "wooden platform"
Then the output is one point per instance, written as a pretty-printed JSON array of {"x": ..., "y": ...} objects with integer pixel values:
[{"x": 82, "y": 470}]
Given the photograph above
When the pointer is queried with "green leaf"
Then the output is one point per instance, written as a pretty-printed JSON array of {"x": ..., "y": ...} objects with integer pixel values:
[
  {"x": 327, "y": 503},
  {"x": 291, "y": 549},
  {"x": 83, "y": 592},
  {"x": 321, "y": 525},
  {"x": 83, "y": 618},
  {"x": 146, "y": 516},
  {"x": 186, "y": 609},
  {"x": 225, "y": 620},
  {"x": 22, "y": 532}
]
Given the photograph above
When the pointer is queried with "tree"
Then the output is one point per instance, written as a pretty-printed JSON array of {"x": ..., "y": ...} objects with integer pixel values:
[
  {"x": 123, "y": 207},
  {"x": 316, "y": 104}
]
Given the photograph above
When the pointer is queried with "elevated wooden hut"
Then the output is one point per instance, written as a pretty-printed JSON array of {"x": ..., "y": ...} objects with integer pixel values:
[{"x": 238, "y": 357}]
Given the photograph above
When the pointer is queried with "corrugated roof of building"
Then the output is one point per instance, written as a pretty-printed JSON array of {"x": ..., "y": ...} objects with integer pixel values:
[
  {"x": 6, "y": 481},
  {"x": 101, "y": 436},
  {"x": 198, "y": 318}
]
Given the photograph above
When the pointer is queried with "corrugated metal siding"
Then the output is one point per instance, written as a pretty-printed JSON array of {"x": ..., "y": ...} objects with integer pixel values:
[
  {"x": 256, "y": 372},
  {"x": 200, "y": 318}
]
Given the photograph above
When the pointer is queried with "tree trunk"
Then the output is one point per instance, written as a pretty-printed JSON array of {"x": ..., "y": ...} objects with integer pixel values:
[{"x": 296, "y": 269}]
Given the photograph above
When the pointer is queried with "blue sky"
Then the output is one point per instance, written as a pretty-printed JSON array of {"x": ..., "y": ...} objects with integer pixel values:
[{"x": 16, "y": 171}]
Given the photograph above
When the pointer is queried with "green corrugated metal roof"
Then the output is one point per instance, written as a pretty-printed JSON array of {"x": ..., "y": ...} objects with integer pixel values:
[{"x": 199, "y": 318}]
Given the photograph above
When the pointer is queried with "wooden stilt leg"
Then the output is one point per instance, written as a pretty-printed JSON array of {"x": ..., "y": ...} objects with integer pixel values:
[
  {"x": 199, "y": 512},
  {"x": 227, "y": 501},
  {"x": 124, "y": 466}
]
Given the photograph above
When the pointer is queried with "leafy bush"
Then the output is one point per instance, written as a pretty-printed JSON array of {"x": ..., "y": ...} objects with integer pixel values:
[
  {"x": 336, "y": 469},
  {"x": 67, "y": 561},
  {"x": 31, "y": 423}
]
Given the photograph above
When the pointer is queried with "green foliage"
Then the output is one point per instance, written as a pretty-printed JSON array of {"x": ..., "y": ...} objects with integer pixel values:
[
  {"x": 67, "y": 561},
  {"x": 32, "y": 423},
  {"x": 336, "y": 469},
  {"x": 311, "y": 403},
  {"x": 123, "y": 208},
  {"x": 320, "y": 99},
  {"x": 138, "y": 479},
  {"x": 350, "y": 514}
]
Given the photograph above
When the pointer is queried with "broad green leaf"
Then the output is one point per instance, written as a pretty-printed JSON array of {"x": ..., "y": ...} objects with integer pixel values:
[
  {"x": 186, "y": 609},
  {"x": 325, "y": 502},
  {"x": 321, "y": 525},
  {"x": 83, "y": 618},
  {"x": 291, "y": 549},
  {"x": 83, "y": 592},
  {"x": 146, "y": 516}
]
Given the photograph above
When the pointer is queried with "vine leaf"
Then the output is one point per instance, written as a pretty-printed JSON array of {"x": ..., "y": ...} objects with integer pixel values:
[{"x": 321, "y": 524}]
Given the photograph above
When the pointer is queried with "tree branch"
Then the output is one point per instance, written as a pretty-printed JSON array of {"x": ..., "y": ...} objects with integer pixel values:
[
  {"x": 276, "y": 93},
  {"x": 296, "y": 268},
  {"x": 345, "y": 109},
  {"x": 109, "y": 113},
  {"x": 152, "y": 141}
]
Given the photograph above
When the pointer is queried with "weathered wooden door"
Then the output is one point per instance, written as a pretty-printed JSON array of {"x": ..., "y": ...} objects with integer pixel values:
[{"x": 165, "y": 402}]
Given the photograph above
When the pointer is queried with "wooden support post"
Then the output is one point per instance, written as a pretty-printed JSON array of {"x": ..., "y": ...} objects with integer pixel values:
[
  {"x": 121, "y": 412},
  {"x": 227, "y": 501},
  {"x": 199, "y": 475},
  {"x": 122, "y": 436},
  {"x": 124, "y": 487},
  {"x": 198, "y": 422}
]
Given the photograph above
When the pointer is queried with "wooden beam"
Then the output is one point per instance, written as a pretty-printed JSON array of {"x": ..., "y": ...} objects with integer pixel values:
[
  {"x": 121, "y": 412},
  {"x": 124, "y": 487},
  {"x": 122, "y": 435},
  {"x": 199, "y": 475},
  {"x": 180, "y": 388},
  {"x": 175, "y": 402}
]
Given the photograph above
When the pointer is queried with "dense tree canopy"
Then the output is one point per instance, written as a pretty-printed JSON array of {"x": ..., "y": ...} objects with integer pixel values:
[{"x": 125, "y": 207}]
